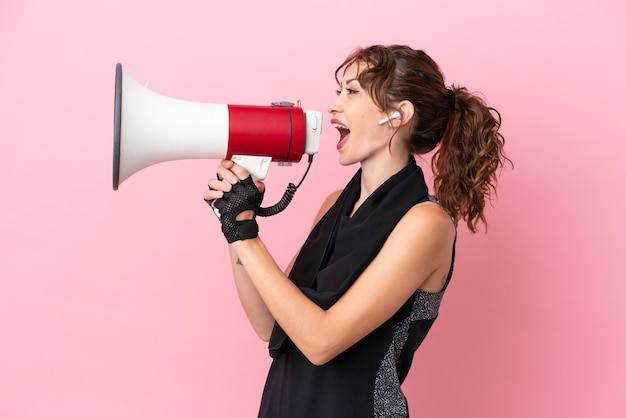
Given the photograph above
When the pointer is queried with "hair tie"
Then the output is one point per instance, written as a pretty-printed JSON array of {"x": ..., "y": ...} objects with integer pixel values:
[{"x": 451, "y": 100}]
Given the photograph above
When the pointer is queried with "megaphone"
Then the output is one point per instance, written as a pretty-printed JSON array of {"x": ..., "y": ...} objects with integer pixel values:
[{"x": 151, "y": 128}]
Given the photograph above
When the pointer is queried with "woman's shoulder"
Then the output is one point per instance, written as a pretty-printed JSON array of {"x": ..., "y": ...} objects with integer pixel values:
[
  {"x": 431, "y": 218},
  {"x": 331, "y": 199},
  {"x": 326, "y": 205}
]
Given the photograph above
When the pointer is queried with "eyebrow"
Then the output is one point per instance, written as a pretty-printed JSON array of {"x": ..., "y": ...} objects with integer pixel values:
[{"x": 349, "y": 81}]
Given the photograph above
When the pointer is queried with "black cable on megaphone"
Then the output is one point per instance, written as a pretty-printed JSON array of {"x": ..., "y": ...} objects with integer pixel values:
[{"x": 287, "y": 196}]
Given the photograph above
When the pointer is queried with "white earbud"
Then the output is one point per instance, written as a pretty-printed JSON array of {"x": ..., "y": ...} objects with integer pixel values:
[{"x": 394, "y": 115}]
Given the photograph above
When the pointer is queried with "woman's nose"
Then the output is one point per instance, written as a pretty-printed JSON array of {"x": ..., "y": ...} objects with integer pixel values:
[{"x": 333, "y": 108}]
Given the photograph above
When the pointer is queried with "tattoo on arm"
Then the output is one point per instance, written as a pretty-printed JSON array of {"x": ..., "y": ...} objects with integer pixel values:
[{"x": 239, "y": 262}]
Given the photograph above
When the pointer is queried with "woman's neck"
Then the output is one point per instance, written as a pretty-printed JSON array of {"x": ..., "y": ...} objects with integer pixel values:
[{"x": 375, "y": 173}]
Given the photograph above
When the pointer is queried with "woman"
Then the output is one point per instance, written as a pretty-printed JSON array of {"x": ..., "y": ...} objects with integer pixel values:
[{"x": 345, "y": 318}]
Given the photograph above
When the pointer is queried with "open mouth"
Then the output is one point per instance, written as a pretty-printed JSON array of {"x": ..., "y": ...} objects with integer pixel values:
[{"x": 343, "y": 130}]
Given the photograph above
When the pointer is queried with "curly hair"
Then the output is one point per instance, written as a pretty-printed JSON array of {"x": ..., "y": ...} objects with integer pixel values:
[{"x": 470, "y": 152}]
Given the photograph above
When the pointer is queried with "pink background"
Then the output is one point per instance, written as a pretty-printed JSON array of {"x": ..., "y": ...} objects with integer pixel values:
[{"x": 120, "y": 304}]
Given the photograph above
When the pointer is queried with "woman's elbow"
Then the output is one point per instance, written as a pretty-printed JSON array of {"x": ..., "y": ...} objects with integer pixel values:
[
  {"x": 263, "y": 330},
  {"x": 264, "y": 335},
  {"x": 318, "y": 360},
  {"x": 320, "y": 353}
]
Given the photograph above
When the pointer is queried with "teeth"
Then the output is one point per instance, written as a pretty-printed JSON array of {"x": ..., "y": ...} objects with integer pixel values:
[{"x": 339, "y": 126}]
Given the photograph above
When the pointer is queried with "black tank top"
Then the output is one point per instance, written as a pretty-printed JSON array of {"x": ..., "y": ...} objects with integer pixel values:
[{"x": 363, "y": 381}]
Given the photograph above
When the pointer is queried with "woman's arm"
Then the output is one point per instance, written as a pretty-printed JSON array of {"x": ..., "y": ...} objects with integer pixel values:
[
  {"x": 258, "y": 314},
  {"x": 253, "y": 305},
  {"x": 417, "y": 253}
]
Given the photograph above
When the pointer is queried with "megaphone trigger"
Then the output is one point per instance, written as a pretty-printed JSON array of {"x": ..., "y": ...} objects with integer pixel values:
[{"x": 255, "y": 165}]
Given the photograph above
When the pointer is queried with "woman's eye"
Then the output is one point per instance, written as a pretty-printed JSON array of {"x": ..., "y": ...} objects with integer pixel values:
[{"x": 347, "y": 90}]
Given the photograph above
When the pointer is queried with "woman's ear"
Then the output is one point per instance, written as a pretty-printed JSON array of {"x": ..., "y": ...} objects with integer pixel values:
[{"x": 407, "y": 110}]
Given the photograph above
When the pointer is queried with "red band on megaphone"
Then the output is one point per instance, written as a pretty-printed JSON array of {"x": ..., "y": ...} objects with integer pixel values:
[{"x": 268, "y": 131}]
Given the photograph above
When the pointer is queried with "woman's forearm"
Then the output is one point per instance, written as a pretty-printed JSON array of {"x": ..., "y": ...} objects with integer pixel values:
[
  {"x": 302, "y": 319},
  {"x": 253, "y": 305}
]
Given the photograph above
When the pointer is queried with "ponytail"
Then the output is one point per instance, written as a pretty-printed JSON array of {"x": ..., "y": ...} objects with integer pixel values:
[{"x": 469, "y": 155}]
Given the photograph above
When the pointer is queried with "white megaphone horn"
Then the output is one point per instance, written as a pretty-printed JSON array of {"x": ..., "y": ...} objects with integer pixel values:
[{"x": 151, "y": 128}]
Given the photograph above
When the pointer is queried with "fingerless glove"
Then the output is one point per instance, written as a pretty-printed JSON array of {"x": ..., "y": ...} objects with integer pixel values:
[{"x": 242, "y": 197}]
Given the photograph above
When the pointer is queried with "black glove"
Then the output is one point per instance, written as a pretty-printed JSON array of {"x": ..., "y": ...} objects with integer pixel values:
[{"x": 243, "y": 196}]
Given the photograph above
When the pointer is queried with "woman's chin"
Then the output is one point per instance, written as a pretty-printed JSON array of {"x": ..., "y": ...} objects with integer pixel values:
[{"x": 345, "y": 160}]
